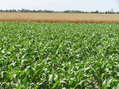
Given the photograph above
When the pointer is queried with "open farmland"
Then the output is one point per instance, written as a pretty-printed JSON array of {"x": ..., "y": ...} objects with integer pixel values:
[
  {"x": 59, "y": 17},
  {"x": 59, "y": 55}
]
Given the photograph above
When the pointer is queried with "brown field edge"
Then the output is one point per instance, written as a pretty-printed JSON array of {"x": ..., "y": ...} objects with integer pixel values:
[{"x": 59, "y": 17}]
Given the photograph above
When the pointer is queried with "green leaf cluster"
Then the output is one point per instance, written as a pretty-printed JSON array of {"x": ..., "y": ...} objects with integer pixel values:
[{"x": 59, "y": 56}]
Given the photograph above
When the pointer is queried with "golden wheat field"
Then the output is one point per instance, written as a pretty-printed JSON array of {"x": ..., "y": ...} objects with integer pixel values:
[{"x": 59, "y": 17}]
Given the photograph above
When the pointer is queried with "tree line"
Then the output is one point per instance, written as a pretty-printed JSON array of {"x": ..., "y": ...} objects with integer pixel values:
[{"x": 66, "y": 11}]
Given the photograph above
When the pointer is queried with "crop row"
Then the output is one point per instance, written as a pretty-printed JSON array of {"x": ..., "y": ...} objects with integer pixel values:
[{"x": 59, "y": 56}]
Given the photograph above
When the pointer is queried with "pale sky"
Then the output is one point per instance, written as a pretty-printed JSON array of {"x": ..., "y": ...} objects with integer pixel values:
[{"x": 60, "y": 5}]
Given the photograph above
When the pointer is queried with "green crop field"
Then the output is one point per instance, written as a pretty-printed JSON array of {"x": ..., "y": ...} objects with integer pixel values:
[{"x": 59, "y": 56}]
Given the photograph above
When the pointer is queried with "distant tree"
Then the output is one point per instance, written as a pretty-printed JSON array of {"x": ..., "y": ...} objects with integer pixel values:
[
  {"x": 73, "y": 11},
  {"x": 67, "y": 11}
]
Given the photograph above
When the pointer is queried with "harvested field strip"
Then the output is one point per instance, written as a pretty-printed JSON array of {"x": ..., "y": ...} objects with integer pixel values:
[{"x": 60, "y": 17}]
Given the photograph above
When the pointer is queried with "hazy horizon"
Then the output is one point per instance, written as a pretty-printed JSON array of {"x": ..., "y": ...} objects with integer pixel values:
[{"x": 102, "y": 5}]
